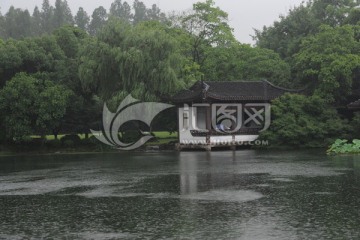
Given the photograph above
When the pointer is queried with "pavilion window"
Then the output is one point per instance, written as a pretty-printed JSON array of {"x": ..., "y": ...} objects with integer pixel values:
[
  {"x": 186, "y": 118},
  {"x": 201, "y": 118}
]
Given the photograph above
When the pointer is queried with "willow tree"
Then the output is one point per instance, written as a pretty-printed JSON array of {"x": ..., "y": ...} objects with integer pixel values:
[{"x": 144, "y": 60}]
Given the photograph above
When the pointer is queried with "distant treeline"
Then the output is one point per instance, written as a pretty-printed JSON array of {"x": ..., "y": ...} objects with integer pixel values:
[{"x": 19, "y": 23}]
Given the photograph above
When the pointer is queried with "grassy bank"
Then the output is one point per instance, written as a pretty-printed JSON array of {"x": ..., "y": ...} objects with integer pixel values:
[{"x": 79, "y": 144}]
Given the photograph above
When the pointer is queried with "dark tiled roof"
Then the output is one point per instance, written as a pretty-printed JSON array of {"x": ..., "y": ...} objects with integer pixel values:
[
  {"x": 354, "y": 105},
  {"x": 231, "y": 91}
]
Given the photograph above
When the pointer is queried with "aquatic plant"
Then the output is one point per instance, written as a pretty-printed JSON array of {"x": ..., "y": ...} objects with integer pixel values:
[{"x": 344, "y": 147}]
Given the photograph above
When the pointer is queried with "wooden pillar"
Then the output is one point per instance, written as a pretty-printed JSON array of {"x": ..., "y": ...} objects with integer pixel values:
[
  {"x": 179, "y": 118},
  {"x": 208, "y": 124}
]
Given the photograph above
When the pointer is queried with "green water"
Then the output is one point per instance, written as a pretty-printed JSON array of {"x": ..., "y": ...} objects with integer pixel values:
[{"x": 190, "y": 195}]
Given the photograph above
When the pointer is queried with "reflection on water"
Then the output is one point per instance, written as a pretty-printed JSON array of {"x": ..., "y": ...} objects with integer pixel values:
[
  {"x": 218, "y": 195},
  {"x": 188, "y": 175},
  {"x": 192, "y": 178}
]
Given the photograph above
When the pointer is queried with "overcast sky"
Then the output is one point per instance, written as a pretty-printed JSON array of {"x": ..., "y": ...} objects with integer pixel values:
[{"x": 244, "y": 15}]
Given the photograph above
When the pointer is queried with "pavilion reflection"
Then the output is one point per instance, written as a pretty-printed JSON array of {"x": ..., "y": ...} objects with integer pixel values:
[{"x": 201, "y": 171}]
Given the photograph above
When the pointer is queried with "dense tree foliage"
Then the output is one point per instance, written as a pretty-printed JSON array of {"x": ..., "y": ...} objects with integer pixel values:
[
  {"x": 285, "y": 36},
  {"x": 241, "y": 61},
  {"x": 32, "y": 105},
  {"x": 304, "y": 121},
  {"x": 320, "y": 42},
  {"x": 329, "y": 61},
  {"x": 57, "y": 69},
  {"x": 355, "y": 124}
]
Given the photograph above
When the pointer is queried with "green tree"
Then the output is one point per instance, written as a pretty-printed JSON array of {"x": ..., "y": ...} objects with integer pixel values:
[
  {"x": 10, "y": 61},
  {"x": 333, "y": 13},
  {"x": 82, "y": 19},
  {"x": 121, "y": 11},
  {"x": 36, "y": 24},
  {"x": 329, "y": 61},
  {"x": 62, "y": 14},
  {"x": 51, "y": 103},
  {"x": 355, "y": 124},
  {"x": 354, "y": 17},
  {"x": 31, "y": 55},
  {"x": 140, "y": 12},
  {"x": 143, "y": 59},
  {"x": 243, "y": 62},
  {"x": 127, "y": 14},
  {"x": 300, "y": 121},
  {"x": 208, "y": 26},
  {"x": 17, "y": 100},
  {"x": 154, "y": 14},
  {"x": 2, "y": 25},
  {"x": 83, "y": 114},
  {"x": 285, "y": 36},
  {"x": 98, "y": 20},
  {"x": 94, "y": 55},
  {"x": 17, "y": 23},
  {"x": 47, "y": 15},
  {"x": 31, "y": 106},
  {"x": 69, "y": 40},
  {"x": 55, "y": 56}
]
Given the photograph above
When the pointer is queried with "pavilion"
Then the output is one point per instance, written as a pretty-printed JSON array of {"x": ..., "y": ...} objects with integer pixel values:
[{"x": 218, "y": 114}]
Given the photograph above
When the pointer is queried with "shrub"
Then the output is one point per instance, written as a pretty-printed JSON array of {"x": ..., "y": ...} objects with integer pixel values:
[
  {"x": 56, "y": 143},
  {"x": 69, "y": 143},
  {"x": 28, "y": 141},
  {"x": 131, "y": 136},
  {"x": 300, "y": 121},
  {"x": 91, "y": 141},
  {"x": 355, "y": 124},
  {"x": 75, "y": 139},
  {"x": 2, "y": 136}
]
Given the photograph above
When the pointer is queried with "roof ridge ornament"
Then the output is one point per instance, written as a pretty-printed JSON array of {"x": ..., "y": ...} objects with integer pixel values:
[{"x": 205, "y": 88}]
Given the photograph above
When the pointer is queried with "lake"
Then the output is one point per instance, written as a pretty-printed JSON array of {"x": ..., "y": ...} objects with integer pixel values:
[{"x": 260, "y": 195}]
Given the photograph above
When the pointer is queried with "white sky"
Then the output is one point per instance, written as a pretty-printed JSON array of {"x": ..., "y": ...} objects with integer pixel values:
[{"x": 244, "y": 15}]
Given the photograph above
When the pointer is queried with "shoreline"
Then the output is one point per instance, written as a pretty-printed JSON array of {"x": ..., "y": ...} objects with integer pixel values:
[
  {"x": 81, "y": 151},
  {"x": 147, "y": 149}
]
